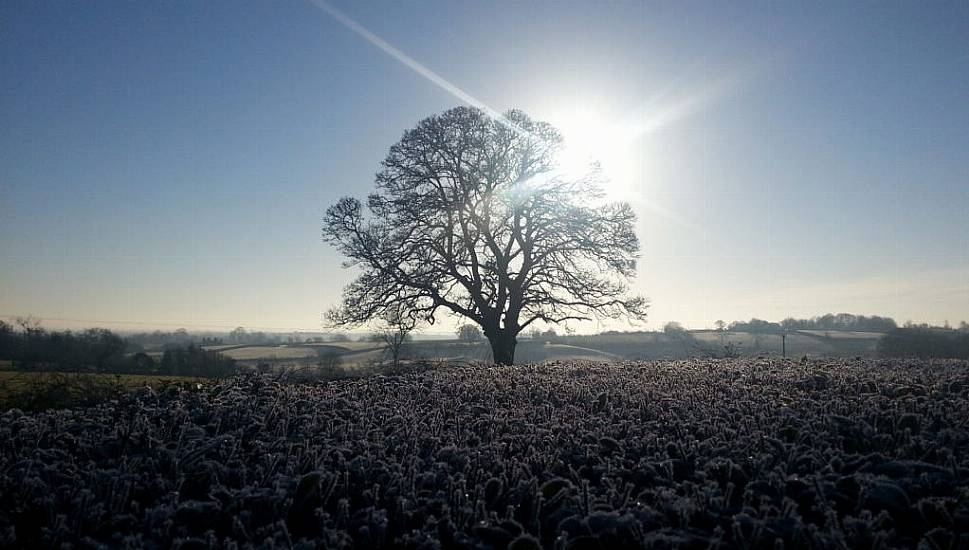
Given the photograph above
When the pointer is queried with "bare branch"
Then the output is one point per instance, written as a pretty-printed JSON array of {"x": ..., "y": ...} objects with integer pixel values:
[{"x": 472, "y": 217}]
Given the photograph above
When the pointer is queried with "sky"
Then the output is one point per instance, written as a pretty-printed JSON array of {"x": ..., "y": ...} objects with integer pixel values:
[{"x": 168, "y": 164}]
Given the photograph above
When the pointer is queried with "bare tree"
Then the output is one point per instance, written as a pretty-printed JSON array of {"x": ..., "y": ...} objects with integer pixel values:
[
  {"x": 30, "y": 326},
  {"x": 395, "y": 327},
  {"x": 471, "y": 215},
  {"x": 721, "y": 328}
]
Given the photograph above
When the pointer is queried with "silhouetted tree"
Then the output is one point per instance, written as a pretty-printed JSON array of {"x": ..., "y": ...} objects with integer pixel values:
[
  {"x": 238, "y": 335},
  {"x": 8, "y": 340},
  {"x": 181, "y": 336},
  {"x": 470, "y": 216},
  {"x": 550, "y": 334},
  {"x": 675, "y": 332},
  {"x": 673, "y": 328},
  {"x": 192, "y": 360},
  {"x": 469, "y": 334},
  {"x": 103, "y": 346},
  {"x": 143, "y": 362},
  {"x": 30, "y": 325},
  {"x": 395, "y": 327}
]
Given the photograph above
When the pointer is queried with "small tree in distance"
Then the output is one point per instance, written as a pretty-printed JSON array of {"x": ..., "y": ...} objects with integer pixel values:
[
  {"x": 469, "y": 334},
  {"x": 238, "y": 335},
  {"x": 394, "y": 330},
  {"x": 472, "y": 217},
  {"x": 675, "y": 332}
]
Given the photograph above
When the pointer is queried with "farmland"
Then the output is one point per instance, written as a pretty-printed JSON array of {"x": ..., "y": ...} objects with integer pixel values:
[
  {"x": 599, "y": 347},
  {"x": 43, "y": 389},
  {"x": 739, "y": 453}
]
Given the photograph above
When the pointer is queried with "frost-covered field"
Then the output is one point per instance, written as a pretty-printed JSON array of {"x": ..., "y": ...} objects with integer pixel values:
[{"x": 733, "y": 454}]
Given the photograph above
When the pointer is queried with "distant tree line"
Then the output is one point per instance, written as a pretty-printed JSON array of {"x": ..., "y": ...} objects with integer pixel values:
[
  {"x": 842, "y": 321},
  {"x": 754, "y": 325},
  {"x": 158, "y": 339},
  {"x": 828, "y": 321},
  {"x": 92, "y": 349},
  {"x": 98, "y": 350},
  {"x": 195, "y": 361}
]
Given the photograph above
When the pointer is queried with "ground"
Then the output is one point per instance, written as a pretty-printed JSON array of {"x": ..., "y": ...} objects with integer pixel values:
[
  {"x": 687, "y": 454},
  {"x": 12, "y": 382},
  {"x": 600, "y": 347}
]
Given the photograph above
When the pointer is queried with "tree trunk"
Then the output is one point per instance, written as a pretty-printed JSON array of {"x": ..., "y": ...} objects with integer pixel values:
[{"x": 503, "y": 347}]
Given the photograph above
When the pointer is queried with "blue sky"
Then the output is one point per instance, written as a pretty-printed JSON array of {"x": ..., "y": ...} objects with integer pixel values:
[{"x": 169, "y": 163}]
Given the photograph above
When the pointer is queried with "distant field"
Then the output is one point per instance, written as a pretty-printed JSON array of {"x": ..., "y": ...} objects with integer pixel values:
[
  {"x": 222, "y": 347},
  {"x": 845, "y": 334},
  {"x": 293, "y": 351},
  {"x": 606, "y": 347},
  {"x": 13, "y": 381},
  {"x": 253, "y": 353},
  {"x": 346, "y": 344}
]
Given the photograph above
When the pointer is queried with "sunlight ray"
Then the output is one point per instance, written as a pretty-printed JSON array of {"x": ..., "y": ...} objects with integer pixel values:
[
  {"x": 666, "y": 214},
  {"x": 652, "y": 117},
  {"x": 413, "y": 64}
]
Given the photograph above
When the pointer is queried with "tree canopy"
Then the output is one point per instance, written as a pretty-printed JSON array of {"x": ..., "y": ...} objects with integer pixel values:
[{"x": 471, "y": 215}]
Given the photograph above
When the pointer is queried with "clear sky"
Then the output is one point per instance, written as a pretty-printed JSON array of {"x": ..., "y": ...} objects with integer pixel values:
[{"x": 168, "y": 163}]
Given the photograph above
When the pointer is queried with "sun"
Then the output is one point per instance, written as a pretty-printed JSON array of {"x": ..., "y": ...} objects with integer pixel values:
[{"x": 591, "y": 137}]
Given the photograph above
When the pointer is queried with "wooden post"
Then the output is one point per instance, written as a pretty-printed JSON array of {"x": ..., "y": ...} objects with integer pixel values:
[{"x": 784, "y": 344}]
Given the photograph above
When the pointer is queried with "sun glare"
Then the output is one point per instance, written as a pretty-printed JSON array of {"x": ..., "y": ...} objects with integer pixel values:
[{"x": 591, "y": 137}]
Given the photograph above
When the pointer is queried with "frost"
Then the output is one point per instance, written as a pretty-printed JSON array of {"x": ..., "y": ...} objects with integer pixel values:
[{"x": 689, "y": 454}]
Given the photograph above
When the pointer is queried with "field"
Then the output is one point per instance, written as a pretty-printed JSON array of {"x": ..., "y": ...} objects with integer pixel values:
[
  {"x": 668, "y": 454},
  {"x": 601, "y": 347},
  {"x": 269, "y": 353},
  {"x": 14, "y": 381},
  {"x": 844, "y": 334},
  {"x": 351, "y": 353}
]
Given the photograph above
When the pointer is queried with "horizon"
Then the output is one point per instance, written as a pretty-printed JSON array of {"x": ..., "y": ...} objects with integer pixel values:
[
  {"x": 424, "y": 332},
  {"x": 169, "y": 166}
]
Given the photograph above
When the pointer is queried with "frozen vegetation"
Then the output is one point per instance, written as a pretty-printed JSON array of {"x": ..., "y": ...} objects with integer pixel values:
[{"x": 699, "y": 454}]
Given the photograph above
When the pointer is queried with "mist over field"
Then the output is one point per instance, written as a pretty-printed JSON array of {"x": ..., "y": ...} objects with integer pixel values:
[{"x": 484, "y": 275}]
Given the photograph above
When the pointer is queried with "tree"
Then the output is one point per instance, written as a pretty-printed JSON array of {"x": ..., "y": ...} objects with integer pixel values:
[
  {"x": 181, "y": 336},
  {"x": 238, "y": 335},
  {"x": 103, "y": 346},
  {"x": 469, "y": 334},
  {"x": 550, "y": 334},
  {"x": 675, "y": 332},
  {"x": 30, "y": 326},
  {"x": 8, "y": 340},
  {"x": 673, "y": 328},
  {"x": 471, "y": 217},
  {"x": 395, "y": 327},
  {"x": 143, "y": 363},
  {"x": 721, "y": 327}
]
